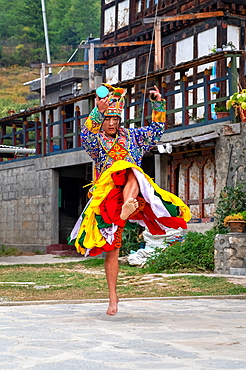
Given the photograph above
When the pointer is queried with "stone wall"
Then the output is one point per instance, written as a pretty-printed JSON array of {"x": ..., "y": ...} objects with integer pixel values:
[
  {"x": 230, "y": 155},
  {"x": 29, "y": 200},
  {"x": 230, "y": 253}
]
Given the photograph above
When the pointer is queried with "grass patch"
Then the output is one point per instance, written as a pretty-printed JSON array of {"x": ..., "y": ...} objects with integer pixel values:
[{"x": 86, "y": 280}]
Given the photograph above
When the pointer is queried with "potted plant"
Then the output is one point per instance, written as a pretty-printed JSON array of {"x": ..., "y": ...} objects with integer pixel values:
[
  {"x": 236, "y": 222},
  {"x": 238, "y": 102},
  {"x": 221, "y": 110},
  {"x": 192, "y": 119}
]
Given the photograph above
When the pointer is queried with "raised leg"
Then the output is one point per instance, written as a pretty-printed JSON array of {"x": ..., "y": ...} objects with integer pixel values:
[
  {"x": 130, "y": 193},
  {"x": 112, "y": 269}
]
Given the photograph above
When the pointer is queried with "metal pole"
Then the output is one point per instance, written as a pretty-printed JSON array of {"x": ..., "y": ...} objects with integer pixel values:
[
  {"x": 16, "y": 150},
  {"x": 46, "y": 36}
]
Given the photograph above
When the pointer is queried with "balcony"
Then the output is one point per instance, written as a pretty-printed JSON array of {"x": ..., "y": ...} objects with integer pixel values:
[{"x": 186, "y": 95}]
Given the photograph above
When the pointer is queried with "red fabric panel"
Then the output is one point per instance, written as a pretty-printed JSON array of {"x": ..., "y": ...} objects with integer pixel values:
[
  {"x": 119, "y": 177},
  {"x": 148, "y": 216},
  {"x": 173, "y": 222},
  {"x": 106, "y": 248},
  {"x": 111, "y": 206}
]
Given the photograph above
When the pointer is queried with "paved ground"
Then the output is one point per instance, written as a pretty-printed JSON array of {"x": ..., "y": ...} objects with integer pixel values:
[
  {"x": 146, "y": 334},
  {"x": 206, "y": 334},
  {"x": 37, "y": 259}
]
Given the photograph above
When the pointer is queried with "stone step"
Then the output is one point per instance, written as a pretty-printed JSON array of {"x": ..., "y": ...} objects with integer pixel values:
[
  {"x": 66, "y": 253},
  {"x": 244, "y": 262},
  {"x": 62, "y": 250},
  {"x": 238, "y": 271}
]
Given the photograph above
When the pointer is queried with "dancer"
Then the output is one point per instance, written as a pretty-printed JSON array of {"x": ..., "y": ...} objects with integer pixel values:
[{"x": 122, "y": 192}]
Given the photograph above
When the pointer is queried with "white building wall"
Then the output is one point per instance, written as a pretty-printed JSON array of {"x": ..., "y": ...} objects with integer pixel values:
[
  {"x": 184, "y": 50},
  {"x": 112, "y": 75},
  {"x": 109, "y": 20},
  {"x": 206, "y": 41},
  {"x": 233, "y": 33},
  {"x": 123, "y": 14},
  {"x": 128, "y": 69}
]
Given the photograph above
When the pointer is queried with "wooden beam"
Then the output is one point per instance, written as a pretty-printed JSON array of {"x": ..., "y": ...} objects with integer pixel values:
[
  {"x": 181, "y": 17},
  {"x": 91, "y": 67},
  {"x": 157, "y": 27},
  {"x": 115, "y": 44},
  {"x": 68, "y": 64}
]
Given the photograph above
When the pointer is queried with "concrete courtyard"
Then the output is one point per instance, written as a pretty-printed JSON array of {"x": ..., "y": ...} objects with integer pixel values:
[{"x": 146, "y": 334}]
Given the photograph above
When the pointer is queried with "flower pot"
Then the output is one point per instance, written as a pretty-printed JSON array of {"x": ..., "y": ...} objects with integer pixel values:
[
  {"x": 242, "y": 114},
  {"x": 192, "y": 121},
  {"x": 222, "y": 114},
  {"x": 237, "y": 226}
]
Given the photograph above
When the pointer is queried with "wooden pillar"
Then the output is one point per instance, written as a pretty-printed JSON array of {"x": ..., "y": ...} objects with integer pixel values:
[
  {"x": 2, "y": 133},
  {"x": 25, "y": 135},
  {"x": 37, "y": 136},
  {"x": 127, "y": 108},
  {"x": 63, "y": 131},
  {"x": 172, "y": 177},
  {"x": 233, "y": 81},
  {"x": 43, "y": 133},
  {"x": 187, "y": 185},
  {"x": 77, "y": 127},
  {"x": 185, "y": 98},
  {"x": 145, "y": 105},
  {"x": 207, "y": 96},
  {"x": 163, "y": 94},
  {"x": 50, "y": 131},
  {"x": 13, "y": 134},
  {"x": 201, "y": 191}
]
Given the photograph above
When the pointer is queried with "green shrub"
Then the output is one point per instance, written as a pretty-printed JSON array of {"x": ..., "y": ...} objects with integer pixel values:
[
  {"x": 130, "y": 239},
  {"x": 196, "y": 252},
  {"x": 231, "y": 200},
  {"x": 7, "y": 251}
]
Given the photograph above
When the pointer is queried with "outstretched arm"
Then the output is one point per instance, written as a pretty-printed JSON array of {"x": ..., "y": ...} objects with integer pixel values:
[
  {"x": 92, "y": 126},
  {"x": 149, "y": 135}
]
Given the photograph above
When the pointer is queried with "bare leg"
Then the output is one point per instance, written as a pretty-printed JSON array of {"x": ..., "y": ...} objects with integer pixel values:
[
  {"x": 112, "y": 269},
  {"x": 130, "y": 193}
]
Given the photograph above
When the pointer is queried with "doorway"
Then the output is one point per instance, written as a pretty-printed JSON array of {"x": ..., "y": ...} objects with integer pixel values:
[{"x": 72, "y": 196}]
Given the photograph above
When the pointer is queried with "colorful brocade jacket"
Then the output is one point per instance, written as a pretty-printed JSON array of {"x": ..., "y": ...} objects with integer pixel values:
[{"x": 130, "y": 144}]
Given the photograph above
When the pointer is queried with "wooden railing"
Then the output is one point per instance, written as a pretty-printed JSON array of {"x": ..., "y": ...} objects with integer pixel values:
[{"x": 39, "y": 132}]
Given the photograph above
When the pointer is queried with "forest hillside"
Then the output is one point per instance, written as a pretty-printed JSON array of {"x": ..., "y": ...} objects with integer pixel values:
[
  {"x": 22, "y": 39},
  {"x": 22, "y": 42}
]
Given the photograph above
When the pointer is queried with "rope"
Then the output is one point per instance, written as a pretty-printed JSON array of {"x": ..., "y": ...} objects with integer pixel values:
[{"x": 147, "y": 72}]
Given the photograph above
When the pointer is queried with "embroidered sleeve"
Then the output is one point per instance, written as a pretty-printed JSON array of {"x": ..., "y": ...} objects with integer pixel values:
[
  {"x": 94, "y": 121},
  {"x": 88, "y": 135},
  {"x": 159, "y": 111},
  {"x": 148, "y": 136}
]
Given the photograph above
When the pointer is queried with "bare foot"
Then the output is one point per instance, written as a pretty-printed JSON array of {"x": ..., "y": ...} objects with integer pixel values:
[
  {"x": 128, "y": 208},
  {"x": 112, "y": 307}
]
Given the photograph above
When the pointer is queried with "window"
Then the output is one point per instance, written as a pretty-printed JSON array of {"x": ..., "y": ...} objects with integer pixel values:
[
  {"x": 167, "y": 56},
  {"x": 143, "y": 63},
  {"x": 138, "y": 6},
  {"x": 147, "y": 4}
]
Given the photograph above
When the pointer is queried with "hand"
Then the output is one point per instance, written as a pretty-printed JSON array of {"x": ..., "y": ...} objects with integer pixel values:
[
  {"x": 156, "y": 93},
  {"x": 102, "y": 104}
]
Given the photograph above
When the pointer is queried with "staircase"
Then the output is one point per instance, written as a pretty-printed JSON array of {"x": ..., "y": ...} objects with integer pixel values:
[{"x": 62, "y": 250}]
